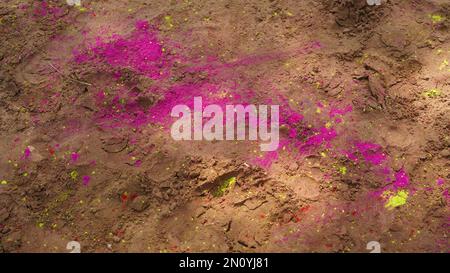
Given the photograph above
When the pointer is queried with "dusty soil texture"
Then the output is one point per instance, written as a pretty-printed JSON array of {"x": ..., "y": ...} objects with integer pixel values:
[{"x": 86, "y": 153}]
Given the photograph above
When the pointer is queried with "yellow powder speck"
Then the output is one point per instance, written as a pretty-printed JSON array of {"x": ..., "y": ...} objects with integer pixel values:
[{"x": 397, "y": 200}]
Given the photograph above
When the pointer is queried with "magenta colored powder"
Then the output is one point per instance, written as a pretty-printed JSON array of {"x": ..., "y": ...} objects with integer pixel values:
[
  {"x": 292, "y": 133},
  {"x": 295, "y": 118},
  {"x": 23, "y": 6},
  {"x": 440, "y": 181},
  {"x": 371, "y": 152},
  {"x": 44, "y": 9},
  {"x": 100, "y": 97},
  {"x": 267, "y": 160},
  {"x": 142, "y": 25},
  {"x": 86, "y": 180},
  {"x": 324, "y": 135},
  {"x": 335, "y": 111},
  {"x": 26, "y": 153},
  {"x": 270, "y": 157},
  {"x": 401, "y": 179},
  {"x": 141, "y": 52},
  {"x": 74, "y": 156},
  {"x": 350, "y": 156},
  {"x": 386, "y": 172}
]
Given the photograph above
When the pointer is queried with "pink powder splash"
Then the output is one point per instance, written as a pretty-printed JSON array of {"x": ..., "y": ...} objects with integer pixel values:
[
  {"x": 138, "y": 163},
  {"x": 401, "y": 179},
  {"x": 141, "y": 52},
  {"x": 335, "y": 111},
  {"x": 86, "y": 179},
  {"x": 266, "y": 160},
  {"x": 43, "y": 8},
  {"x": 26, "y": 153},
  {"x": 323, "y": 136},
  {"x": 74, "y": 156},
  {"x": 446, "y": 194},
  {"x": 371, "y": 152}
]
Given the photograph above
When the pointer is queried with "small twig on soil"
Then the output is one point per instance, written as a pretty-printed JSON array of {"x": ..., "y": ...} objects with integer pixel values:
[{"x": 70, "y": 78}]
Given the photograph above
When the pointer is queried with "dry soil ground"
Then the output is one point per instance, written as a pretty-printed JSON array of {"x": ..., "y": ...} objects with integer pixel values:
[{"x": 86, "y": 154}]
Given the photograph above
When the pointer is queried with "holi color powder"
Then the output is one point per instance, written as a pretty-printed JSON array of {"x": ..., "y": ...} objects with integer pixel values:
[
  {"x": 74, "y": 175},
  {"x": 446, "y": 194},
  {"x": 124, "y": 78},
  {"x": 371, "y": 152},
  {"x": 436, "y": 18},
  {"x": 432, "y": 93},
  {"x": 120, "y": 110},
  {"x": 43, "y": 8},
  {"x": 74, "y": 157},
  {"x": 225, "y": 186},
  {"x": 86, "y": 180},
  {"x": 399, "y": 199},
  {"x": 401, "y": 179},
  {"x": 141, "y": 52},
  {"x": 322, "y": 136},
  {"x": 26, "y": 153}
]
